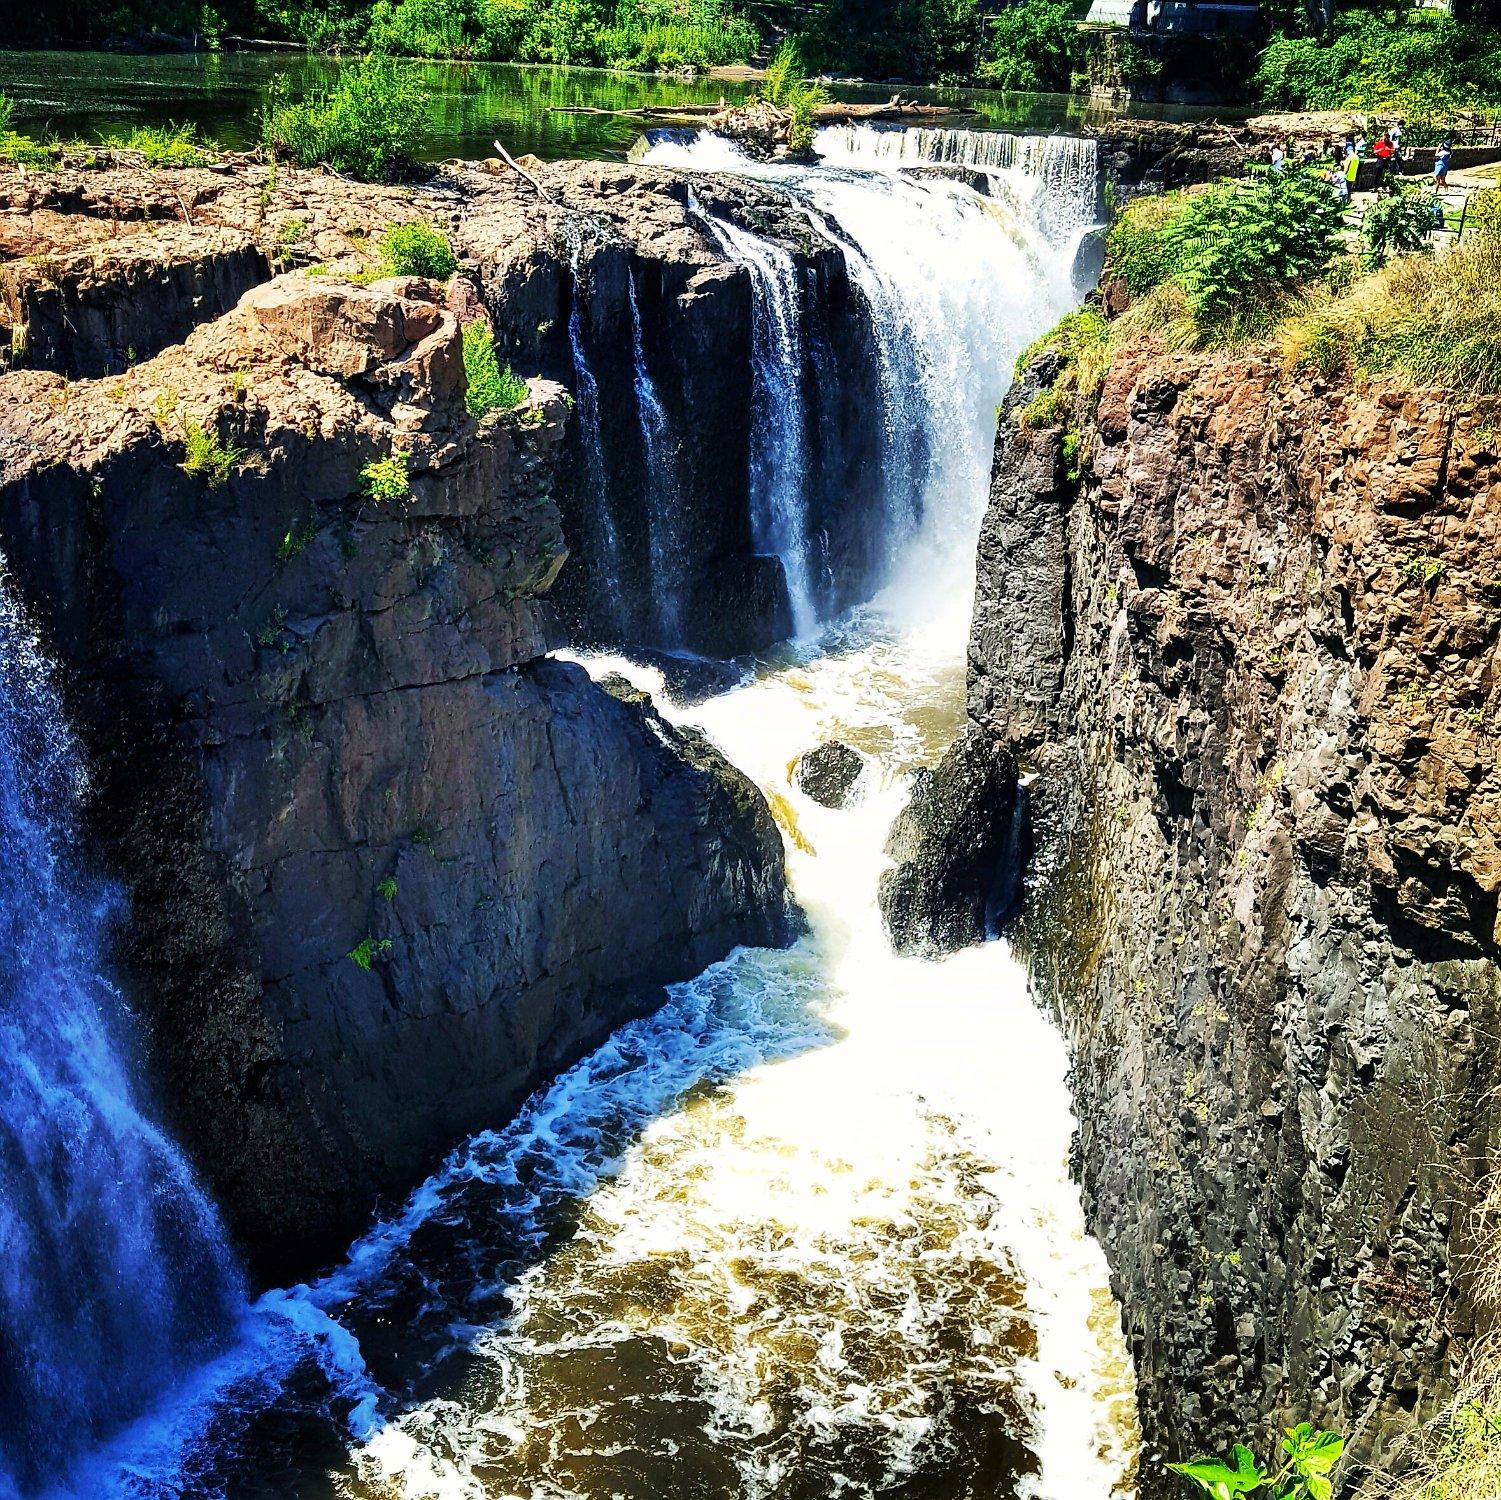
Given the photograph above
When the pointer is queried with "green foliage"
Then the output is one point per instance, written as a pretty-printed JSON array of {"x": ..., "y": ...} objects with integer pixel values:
[
  {"x": 164, "y": 145},
  {"x": 367, "y": 950},
  {"x": 1033, "y": 46},
  {"x": 7, "y": 109},
  {"x": 1051, "y": 408},
  {"x": 386, "y": 889},
  {"x": 785, "y": 86},
  {"x": 1234, "y": 250},
  {"x": 1484, "y": 213},
  {"x": 1420, "y": 63},
  {"x": 386, "y": 479},
  {"x": 368, "y": 124},
  {"x": 1397, "y": 225},
  {"x": 207, "y": 456},
  {"x": 1434, "y": 319},
  {"x": 640, "y": 34},
  {"x": 1304, "y": 1475},
  {"x": 492, "y": 385},
  {"x": 1423, "y": 570},
  {"x": 1073, "y": 336},
  {"x": 297, "y": 540},
  {"x": 890, "y": 38},
  {"x": 417, "y": 249}
]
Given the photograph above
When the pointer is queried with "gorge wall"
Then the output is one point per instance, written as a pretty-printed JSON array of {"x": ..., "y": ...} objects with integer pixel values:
[
  {"x": 1241, "y": 632},
  {"x": 389, "y": 864}
]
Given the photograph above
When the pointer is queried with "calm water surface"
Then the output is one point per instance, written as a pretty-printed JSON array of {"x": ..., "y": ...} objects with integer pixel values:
[{"x": 91, "y": 94}]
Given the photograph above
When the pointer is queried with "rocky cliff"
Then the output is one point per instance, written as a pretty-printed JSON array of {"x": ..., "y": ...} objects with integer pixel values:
[
  {"x": 597, "y": 275},
  {"x": 1241, "y": 630},
  {"x": 389, "y": 865}
]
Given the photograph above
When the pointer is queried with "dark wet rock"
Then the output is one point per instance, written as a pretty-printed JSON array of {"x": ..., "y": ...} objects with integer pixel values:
[
  {"x": 1251, "y": 657},
  {"x": 390, "y": 866},
  {"x": 954, "y": 850},
  {"x": 828, "y": 773}
]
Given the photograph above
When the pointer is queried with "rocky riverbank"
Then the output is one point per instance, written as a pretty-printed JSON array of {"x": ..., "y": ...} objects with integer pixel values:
[
  {"x": 387, "y": 864},
  {"x": 1241, "y": 631}
]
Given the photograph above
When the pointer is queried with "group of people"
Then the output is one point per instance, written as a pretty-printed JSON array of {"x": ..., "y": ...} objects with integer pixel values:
[{"x": 1344, "y": 160}]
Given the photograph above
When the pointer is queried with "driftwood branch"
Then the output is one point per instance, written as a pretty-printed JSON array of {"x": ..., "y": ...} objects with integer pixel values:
[{"x": 521, "y": 171}]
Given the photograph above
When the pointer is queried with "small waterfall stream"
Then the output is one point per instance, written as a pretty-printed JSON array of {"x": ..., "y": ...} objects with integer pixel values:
[
  {"x": 114, "y": 1276},
  {"x": 779, "y": 450},
  {"x": 807, "y": 1231},
  {"x": 658, "y": 449}
]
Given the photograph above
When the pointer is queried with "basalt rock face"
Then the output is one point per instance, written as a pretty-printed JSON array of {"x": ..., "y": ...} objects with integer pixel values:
[
  {"x": 1251, "y": 654},
  {"x": 609, "y": 279},
  {"x": 389, "y": 865},
  {"x": 954, "y": 870}
]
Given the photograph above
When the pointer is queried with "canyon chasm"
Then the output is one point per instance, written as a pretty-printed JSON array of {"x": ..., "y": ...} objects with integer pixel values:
[{"x": 494, "y": 1062}]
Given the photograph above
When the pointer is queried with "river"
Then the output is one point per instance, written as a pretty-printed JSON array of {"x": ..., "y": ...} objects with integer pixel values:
[{"x": 91, "y": 95}]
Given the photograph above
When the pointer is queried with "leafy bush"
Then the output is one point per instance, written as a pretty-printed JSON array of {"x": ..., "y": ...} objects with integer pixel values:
[
  {"x": 368, "y": 124},
  {"x": 1421, "y": 64},
  {"x": 1399, "y": 225},
  {"x": 892, "y": 38},
  {"x": 492, "y": 385},
  {"x": 207, "y": 456},
  {"x": 1484, "y": 213},
  {"x": 785, "y": 86},
  {"x": 1033, "y": 46},
  {"x": 1304, "y": 1475},
  {"x": 1074, "y": 336},
  {"x": 1235, "y": 249},
  {"x": 417, "y": 249},
  {"x": 386, "y": 479},
  {"x": 1050, "y": 408}
]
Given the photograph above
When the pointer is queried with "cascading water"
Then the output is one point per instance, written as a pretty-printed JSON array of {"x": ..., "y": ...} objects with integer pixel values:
[
  {"x": 807, "y": 1231},
  {"x": 596, "y": 472},
  {"x": 114, "y": 1276},
  {"x": 779, "y": 449},
  {"x": 658, "y": 451}
]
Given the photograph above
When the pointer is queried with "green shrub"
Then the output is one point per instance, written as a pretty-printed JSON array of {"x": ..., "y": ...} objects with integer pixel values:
[
  {"x": 1398, "y": 225},
  {"x": 417, "y": 249},
  {"x": 164, "y": 145},
  {"x": 1135, "y": 249},
  {"x": 1074, "y": 336},
  {"x": 1238, "y": 248},
  {"x": 367, "y": 950},
  {"x": 892, "y": 38},
  {"x": 1304, "y": 1475},
  {"x": 208, "y": 457},
  {"x": 1434, "y": 319},
  {"x": 1421, "y": 63},
  {"x": 1052, "y": 408},
  {"x": 368, "y": 125},
  {"x": 420, "y": 28},
  {"x": 7, "y": 109},
  {"x": 492, "y": 385},
  {"x": 1033, "y": 46},
  {"x": 785, "y": 86},
  {"x": 386, "y": 479},
  {"x": 1484, "y": 213}
]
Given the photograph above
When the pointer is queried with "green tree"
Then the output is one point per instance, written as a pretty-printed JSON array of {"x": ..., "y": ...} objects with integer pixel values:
[{"x": 1033, "y": 47}]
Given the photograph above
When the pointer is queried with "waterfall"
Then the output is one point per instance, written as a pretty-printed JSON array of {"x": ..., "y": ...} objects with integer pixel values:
[
  {"x": 596, "y": 472},
  {"x": 114, "y": 1275},
  {"x": 660, "y": 485},
  {"x": 779, "y": 454},
  {"x": 1058, "y": 176},
  {"x": 808, "y": 1229}
]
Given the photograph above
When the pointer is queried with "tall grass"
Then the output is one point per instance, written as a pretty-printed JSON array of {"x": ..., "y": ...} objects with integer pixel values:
[
  {"x": 1434, "y": 319},
  {"x": 368, "y": 124},
  {"x": 164, "y": 145},
  {"x": 493, "y": 386}
]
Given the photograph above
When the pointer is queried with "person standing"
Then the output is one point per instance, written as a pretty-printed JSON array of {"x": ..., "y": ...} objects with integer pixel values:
[
  {"x": 1352, "y": 172},
  {"x": 1441, "y": 161},
  {"x": 1385, "y": 153}
]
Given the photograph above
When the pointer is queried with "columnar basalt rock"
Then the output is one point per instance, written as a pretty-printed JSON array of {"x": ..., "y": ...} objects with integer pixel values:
[
  {"x": 389, "y": 865},
  {"x": 1251, "y": 656}
]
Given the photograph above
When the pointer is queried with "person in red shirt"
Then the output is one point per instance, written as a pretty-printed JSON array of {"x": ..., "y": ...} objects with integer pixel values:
[{"x": 1386, "y": 154}]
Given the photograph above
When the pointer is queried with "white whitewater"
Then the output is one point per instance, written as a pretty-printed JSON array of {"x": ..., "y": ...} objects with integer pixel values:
[
  {"x": 779, "y": 444},
  {"x": 807, "y": 1231}
]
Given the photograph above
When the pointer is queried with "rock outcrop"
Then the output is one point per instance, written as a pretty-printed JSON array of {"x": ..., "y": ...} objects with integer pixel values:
[
  {"x": 828, "y": 773},
  {"x": 955, "y": 870},
  {"x": 1251, "y": 654},
  {"x": 389, "y": 865}
]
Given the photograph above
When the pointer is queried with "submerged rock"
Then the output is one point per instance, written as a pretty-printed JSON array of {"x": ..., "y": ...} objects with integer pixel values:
[
  {"x": 828, "y": 773},
  {"x": 955, "y": 873}
]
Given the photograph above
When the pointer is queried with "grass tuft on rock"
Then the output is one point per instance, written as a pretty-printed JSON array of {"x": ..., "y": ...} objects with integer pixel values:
[
  {"x": 208, "y": 457},
  {"x": 493, "y": 386},
  {"x": 417, "y": 249}
]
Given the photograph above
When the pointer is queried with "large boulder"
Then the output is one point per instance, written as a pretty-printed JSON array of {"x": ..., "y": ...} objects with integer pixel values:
[
  {"x": 828, "y": 773},
  {"x": 954, "y": 850}
]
